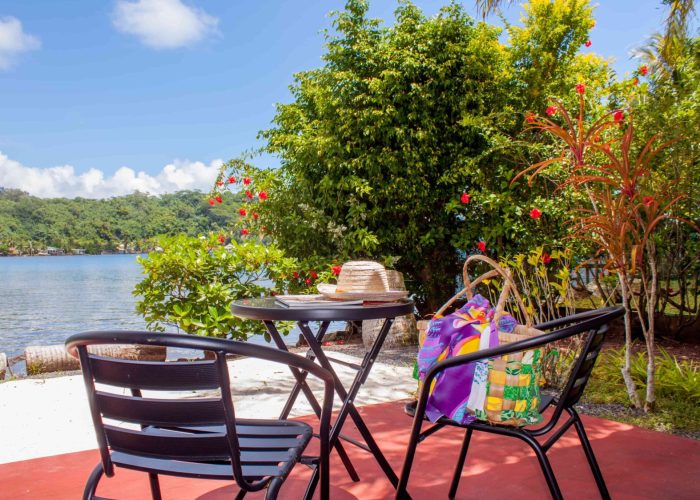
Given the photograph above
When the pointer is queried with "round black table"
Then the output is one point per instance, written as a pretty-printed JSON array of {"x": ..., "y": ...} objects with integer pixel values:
[{"x": 269, "y": 310}]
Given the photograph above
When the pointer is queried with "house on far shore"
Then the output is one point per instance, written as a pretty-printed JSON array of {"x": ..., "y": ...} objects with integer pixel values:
[
  {"x": 54, "y": 251},
  {"x": 78, "y": 251}
]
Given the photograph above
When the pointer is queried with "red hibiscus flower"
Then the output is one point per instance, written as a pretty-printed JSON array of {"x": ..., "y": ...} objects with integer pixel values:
[
  {"x": 232, "y": 180},
  {"x": 212, "y": 201},
  {"x": 465, "y": 198},
  {"x": 219, "y": 199},
  {"x": 580, "y": 88},
  {"x": 296, "y": 275},
  {"x": 255, "y": 215},
  {"x": 307, "y": 281},
  {"x": 588, "y": 43},
  {"x": 481, "y": 246},
  {"x": 336, "y": 270},
  {"x": 313, "y": 274},
  {"x": 643, "y": 70},
  {"x": 546, "y": 258},
  {"x": 648, "y": 200},
  {"x": 635, "y": 81},
  {"x": 249, "y": 195},
  {"x": 618, "y": 116},
  {"x": 219, "y": 183},
  {"x": 535, "y": 214},
  {"x": 222, "y": 239},
  {"x": 246, "y": 180},
  {"x": 262, "y": 195},
  {"x": 243, "y": 212},
  {"x": 551, "y": 110},
  {"x": 530, "y": 117},
  {"x": 244, "y": 232}
]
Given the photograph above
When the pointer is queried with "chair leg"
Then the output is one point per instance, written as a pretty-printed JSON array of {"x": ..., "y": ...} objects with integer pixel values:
[
  {"x": 460, "y": 463},
  {"x": 591, "y": 457},
  {"x": 546, "y": 467},
  {"x": 273, "y": 489},
  {"x": 93, "y": 480},
  {"x": 155, "y": 486}
]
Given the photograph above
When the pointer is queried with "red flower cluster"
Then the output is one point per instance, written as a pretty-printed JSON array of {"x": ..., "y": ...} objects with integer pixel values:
[
  {"x": 618, "y": 116},
  {"x": 530, "y": 117},
  {"x": 219, "y": 183},
  {"x": 546, "y": 258},
  {"x": 296, "y": 275},
  {"x": 222, "y": 239},
  {"x": 535, "y": 214},
  {"x": 465, "y": 198},
  {"x": 263, "y": 195},
  {"x": 232, "y": 180},
  {"x": 648, "y": 200},
  {"x": 588, "y": 43},
  {"x": 243, "y": 212},
  {"x": 313, "y": 274},
  {"x": 336, "y": 270},
  {"x": 551, "y": 110},
  {"x": 580, "y": 88},
  {"x": 643, "y": 70},
  {"x": 635, "y": 81},
  {"x": 246, "y": 180},
  {"x": 219, "y": 199},
  {"x": 307, "y": 281},
  {"x": 244, "y": 232},
  {"x": 212, "y": 201},
  {"x": 481, "y": 246},
  {"x": 249, "y": 195},
  {"x": 255, "y": 215}
]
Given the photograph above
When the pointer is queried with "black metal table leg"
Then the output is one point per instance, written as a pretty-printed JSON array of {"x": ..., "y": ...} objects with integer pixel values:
[
  {"x": 348, "y": 397},
  {"x": 301, "y": 384}
]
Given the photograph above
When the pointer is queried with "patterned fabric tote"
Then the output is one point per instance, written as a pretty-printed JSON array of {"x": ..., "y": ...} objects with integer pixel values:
[{"x": 503, "y": 390}]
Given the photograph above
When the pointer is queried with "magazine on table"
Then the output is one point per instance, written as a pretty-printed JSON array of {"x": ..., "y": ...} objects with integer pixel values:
[{"x": 314, "y": 301}]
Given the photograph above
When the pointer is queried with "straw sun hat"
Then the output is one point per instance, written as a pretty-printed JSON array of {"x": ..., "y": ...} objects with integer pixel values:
[{"x": 361, "y": 279}]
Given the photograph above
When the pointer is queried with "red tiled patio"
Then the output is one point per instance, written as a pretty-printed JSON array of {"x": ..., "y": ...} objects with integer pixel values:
[{"x": 637, "y": 463}]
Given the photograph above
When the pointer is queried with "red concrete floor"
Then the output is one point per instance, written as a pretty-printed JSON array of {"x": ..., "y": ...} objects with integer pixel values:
[{"x": 637, "y": 464}]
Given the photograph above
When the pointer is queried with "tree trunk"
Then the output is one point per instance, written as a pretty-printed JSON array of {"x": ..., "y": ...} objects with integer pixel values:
[
  {"x": 650, "y": 400},
  {"x": 626, "y": 369}
]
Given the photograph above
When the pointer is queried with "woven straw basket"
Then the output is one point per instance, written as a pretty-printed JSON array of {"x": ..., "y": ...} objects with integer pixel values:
[{"x": 506, "y": 374}]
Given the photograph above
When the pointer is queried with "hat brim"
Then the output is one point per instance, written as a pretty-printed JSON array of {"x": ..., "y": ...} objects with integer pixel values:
[{"x": 329, "y": 291}]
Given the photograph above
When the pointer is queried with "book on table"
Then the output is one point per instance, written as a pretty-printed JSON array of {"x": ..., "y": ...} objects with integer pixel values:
[{"x": 314, "y": 301}]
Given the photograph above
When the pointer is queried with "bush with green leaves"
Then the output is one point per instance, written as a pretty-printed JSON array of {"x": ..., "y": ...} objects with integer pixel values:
[{"x": 191, "y": 281}]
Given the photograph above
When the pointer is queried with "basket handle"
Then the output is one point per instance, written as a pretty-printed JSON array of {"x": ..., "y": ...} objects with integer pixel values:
[{"x": 508, "y": 286}]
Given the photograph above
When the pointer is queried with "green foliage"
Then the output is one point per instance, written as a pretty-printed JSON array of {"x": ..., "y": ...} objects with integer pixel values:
[
  {"x": 380, "y": 142},
  {"x": 678, "y": 380},
  {"x": 192, "y": 281},
  {"x": 103, "y": 225}
]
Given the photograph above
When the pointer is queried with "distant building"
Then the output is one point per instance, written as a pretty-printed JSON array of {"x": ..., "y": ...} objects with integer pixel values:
[
  {"x": 78, "y": 251},
  {"x": 54, "y": 251}
]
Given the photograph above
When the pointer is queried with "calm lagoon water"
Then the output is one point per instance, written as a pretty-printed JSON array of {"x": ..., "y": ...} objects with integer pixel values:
[{"x": 43, "y": 300}]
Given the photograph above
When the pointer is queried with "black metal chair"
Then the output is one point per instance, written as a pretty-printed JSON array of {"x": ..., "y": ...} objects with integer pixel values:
[
  {"x": 197, "y": 436},
  {"x": 592, "y": 323}
]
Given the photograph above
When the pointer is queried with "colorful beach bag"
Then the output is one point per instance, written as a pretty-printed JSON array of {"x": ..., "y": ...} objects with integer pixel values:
[{"x": 504, "y": 390}]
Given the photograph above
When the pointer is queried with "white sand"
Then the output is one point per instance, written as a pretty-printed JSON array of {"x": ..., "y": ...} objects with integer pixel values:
[{"x": 43, "y": 417}]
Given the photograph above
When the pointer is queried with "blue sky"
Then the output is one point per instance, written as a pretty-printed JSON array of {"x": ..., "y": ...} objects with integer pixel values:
[{"x": 101, "y": 98}]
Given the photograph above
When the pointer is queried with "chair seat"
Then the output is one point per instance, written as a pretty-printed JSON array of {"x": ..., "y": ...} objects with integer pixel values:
[
  {"x": 269, "y": 448},
  {"x": 410, "y": 410}
]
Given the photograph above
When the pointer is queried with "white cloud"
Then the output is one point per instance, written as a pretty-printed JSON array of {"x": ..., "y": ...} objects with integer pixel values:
[
  {"x": 14, "y": 41},
  {"x": 63, "y": 181},
  {"x": 163, "y": 24}
]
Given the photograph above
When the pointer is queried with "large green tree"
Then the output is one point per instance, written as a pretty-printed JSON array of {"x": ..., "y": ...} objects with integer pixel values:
[{"x": 381, "y": 141}]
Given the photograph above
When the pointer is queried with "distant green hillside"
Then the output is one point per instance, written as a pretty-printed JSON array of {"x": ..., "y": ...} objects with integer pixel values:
[{"x": 31, "y": 223}]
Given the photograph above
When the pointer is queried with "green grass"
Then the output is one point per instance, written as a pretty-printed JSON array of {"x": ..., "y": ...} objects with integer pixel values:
[{"x": 677, "y": 392}]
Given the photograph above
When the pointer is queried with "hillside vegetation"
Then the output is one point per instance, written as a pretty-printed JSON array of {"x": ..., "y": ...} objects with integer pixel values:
[{"x": 29, "y": 224}]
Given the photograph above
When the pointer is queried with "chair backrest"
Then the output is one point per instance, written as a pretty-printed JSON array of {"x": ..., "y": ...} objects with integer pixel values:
[
  {"x": 580, "y": 324},
  {"x": 127, "y": 406}
]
